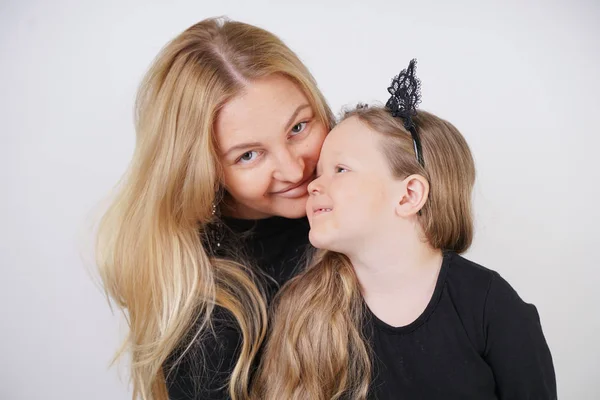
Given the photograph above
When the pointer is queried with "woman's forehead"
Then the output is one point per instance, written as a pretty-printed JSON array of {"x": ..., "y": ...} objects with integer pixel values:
[{"x": 264, "y": 108}]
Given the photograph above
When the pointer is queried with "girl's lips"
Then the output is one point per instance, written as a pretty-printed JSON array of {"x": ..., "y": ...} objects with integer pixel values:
[{"x": 319, "y": 211}]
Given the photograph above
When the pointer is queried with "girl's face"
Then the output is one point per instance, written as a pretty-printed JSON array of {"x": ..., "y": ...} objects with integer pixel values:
[
  {"x": 269, "y": 140},
  {"x": 353, "y": 199}
]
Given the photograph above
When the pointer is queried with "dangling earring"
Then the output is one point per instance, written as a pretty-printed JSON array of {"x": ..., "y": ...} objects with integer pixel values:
[{"x": 217, "y": 228}]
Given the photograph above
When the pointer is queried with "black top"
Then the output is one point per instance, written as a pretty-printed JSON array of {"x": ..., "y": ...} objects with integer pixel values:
[
  {"x": 476, "y": 339},
  {"x": 273, "y": 246}
]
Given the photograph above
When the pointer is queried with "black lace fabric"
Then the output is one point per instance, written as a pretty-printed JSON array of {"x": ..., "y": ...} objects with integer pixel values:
[{"x": 405, "y": 91}]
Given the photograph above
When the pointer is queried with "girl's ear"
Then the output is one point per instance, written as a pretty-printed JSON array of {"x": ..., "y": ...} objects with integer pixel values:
[{"x": 414, "y": 194}]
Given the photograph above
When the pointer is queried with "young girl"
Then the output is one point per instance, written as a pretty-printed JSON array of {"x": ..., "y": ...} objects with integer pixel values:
[{"x": 389, "y": 309}]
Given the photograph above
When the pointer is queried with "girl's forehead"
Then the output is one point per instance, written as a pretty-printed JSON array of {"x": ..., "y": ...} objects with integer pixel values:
[
  {"x": 352, "y": 141},
  {"x": 350, "y": 135}
]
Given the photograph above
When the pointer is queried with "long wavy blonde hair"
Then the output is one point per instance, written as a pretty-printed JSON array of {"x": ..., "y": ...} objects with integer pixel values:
[
  {"x": 316, "y": 348},
  {"x": 149, "y": 249}
]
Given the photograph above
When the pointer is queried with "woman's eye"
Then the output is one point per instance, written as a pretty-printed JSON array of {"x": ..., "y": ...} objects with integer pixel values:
[
  {"x": 299, "y": 127},
  {"x": 247, "y": 157},
  {"x": 340, "y": 170}
]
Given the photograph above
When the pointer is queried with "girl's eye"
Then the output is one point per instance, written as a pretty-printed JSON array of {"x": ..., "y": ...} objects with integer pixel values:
[
  {"x": 247, "y": 157},
  {"x": 299, "y": 127},
  {"x": 340, "y": 170}
]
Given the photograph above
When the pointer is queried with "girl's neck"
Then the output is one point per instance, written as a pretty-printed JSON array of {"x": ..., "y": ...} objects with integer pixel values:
[{"x": 398, "y": 279}]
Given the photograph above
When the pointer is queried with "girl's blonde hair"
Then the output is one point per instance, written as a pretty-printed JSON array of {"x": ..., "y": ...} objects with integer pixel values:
[
  {"x": 151, "y": 258},
  {"x": 316, "y": 348}
]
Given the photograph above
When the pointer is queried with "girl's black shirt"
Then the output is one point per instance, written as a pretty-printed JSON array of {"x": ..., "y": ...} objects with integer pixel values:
[{"x": 476, "y": 340}]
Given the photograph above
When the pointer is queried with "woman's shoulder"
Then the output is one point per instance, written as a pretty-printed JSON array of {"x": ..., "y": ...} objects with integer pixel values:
[
  {"x": 205, "y": 358},
  {"x": 221, "y": 336}
]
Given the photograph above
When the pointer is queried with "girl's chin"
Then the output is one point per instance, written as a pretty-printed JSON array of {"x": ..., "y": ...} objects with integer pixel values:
[{"x": 320, "y": 239}]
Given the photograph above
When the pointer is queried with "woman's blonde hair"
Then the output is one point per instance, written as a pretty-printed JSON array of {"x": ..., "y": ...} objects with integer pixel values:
[
  {"x": 150, "y": 253},
  {"x": 316, "y": 348}
]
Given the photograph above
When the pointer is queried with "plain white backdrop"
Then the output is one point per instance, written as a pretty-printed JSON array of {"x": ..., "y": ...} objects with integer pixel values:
[{"x": 520, "y": 79}]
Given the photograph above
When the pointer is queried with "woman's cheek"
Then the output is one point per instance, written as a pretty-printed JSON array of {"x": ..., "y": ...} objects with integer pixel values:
[
  {"x": 313, "y": 152},
  {"x": 253, "y": 182}
]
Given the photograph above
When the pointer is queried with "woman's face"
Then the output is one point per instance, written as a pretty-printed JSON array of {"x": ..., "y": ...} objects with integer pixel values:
[{"x": 269, "y": 140}]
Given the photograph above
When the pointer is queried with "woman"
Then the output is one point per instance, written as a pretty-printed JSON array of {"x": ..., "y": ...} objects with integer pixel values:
[{"x": 210, "y": 218}]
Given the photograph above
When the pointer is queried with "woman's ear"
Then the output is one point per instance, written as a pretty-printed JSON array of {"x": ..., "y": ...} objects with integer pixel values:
[{"x": 413, "y": 196}]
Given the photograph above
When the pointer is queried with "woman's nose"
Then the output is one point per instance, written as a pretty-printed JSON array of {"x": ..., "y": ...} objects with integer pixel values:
[{"x": 290, "y": 167}]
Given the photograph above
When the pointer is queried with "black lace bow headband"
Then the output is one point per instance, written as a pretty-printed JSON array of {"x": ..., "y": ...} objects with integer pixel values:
[{"x": 405, "y": 93}]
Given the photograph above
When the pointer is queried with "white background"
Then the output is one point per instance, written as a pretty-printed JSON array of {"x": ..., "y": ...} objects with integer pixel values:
[{"x": 520, "y": 79}]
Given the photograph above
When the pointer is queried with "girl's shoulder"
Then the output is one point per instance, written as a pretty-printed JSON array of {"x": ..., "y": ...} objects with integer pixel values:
[
  {"x": 477, "y": 282},
  {"x": 467, "y": 278},
  {"x": 484, "y": 294}
]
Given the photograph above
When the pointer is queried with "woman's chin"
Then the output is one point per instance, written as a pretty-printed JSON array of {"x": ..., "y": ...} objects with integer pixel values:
[
  {"x": 296, "y": 214},
  {"x": 291, "y": 208}
]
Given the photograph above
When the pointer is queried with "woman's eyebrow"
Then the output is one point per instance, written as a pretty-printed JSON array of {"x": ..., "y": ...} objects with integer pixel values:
[
  {"x": 295, "y": 114},
  {"x": 242, "y": 146}
]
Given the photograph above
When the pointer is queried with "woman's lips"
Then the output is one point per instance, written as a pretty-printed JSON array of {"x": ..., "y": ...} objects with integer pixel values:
[{"x": 296, "y": 191}]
